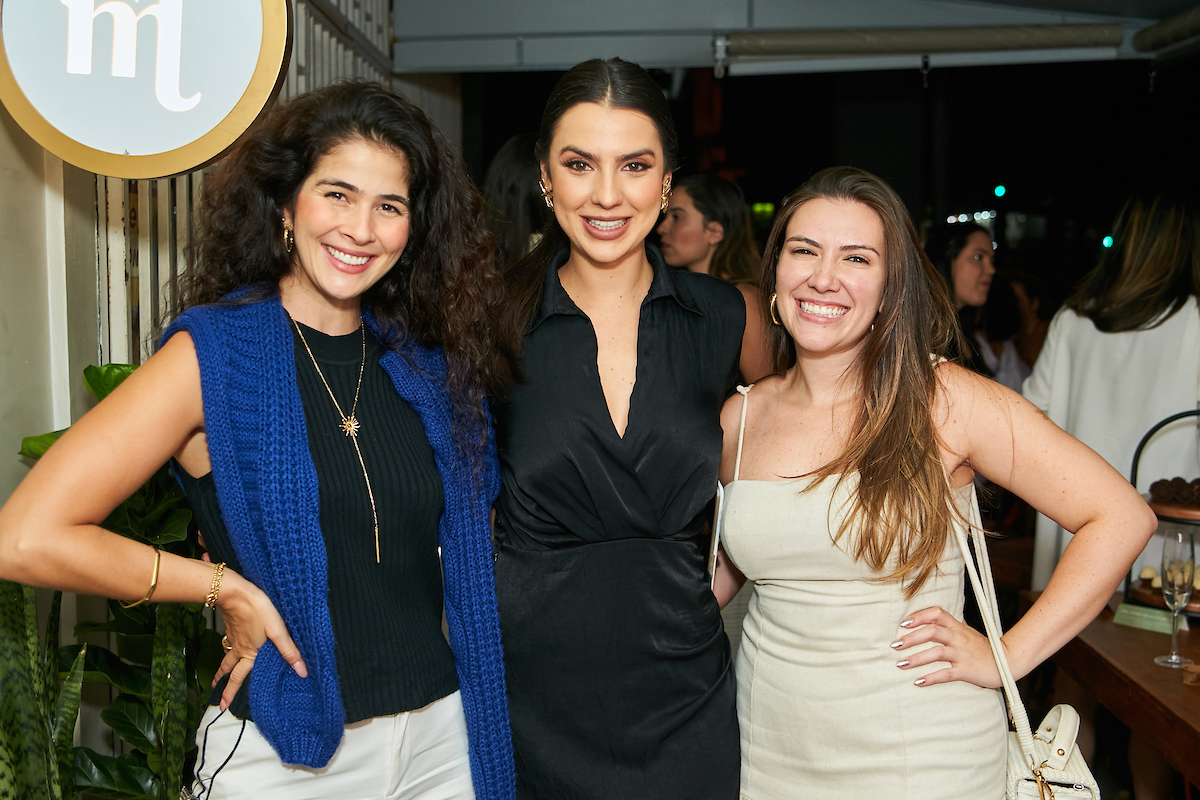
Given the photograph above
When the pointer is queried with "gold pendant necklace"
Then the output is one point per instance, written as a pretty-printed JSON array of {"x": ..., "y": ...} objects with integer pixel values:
[{"x": 349, "y": 424}]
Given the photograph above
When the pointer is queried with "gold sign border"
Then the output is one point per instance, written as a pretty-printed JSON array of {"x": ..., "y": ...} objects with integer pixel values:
[{"x": 268, "y": 77}]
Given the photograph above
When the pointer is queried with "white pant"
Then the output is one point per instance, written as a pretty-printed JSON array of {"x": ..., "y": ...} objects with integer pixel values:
[{"x": 418, "y": 754}]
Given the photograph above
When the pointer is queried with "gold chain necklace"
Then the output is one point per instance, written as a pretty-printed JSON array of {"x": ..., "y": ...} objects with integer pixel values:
[{"x": 349, "y": 424}]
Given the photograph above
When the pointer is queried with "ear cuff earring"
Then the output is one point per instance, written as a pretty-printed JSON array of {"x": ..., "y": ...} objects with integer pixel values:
[
  {"x": 547, "y": 194},
  {"x": 774, "y": 315}
]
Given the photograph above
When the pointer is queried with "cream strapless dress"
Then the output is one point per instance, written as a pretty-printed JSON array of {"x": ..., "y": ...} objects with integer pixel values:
[{"x": 824, "y": 712}]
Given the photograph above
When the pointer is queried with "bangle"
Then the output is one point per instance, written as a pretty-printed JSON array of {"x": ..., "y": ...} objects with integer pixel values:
[
  {"x": 153, "y": 582},
  {"x": 218, "y": 571}
]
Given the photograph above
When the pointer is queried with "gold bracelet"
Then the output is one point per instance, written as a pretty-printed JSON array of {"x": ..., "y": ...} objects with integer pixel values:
[
  {"x": 218, "y": 571},
  {"x": 153, "y": 582}
]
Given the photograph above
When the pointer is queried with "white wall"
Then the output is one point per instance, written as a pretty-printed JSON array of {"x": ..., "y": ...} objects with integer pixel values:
[{"x": 26, "y": 398}]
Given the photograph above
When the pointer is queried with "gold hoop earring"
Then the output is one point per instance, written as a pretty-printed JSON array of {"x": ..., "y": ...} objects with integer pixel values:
[
  {"x": 666, "y": 194},
  {"x": 289, "y": 239},
  {"x": 547, "y": 194},
  {"x": 774, "y": 315}
]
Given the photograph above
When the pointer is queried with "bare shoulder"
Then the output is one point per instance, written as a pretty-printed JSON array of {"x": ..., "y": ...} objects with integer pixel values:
[
  {"x": 964, "y": 395},
  {"x": 750, "y": 294}
]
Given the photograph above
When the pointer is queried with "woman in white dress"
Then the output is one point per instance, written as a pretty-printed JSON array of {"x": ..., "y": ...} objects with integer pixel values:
[{"x": 845, "y": 473}]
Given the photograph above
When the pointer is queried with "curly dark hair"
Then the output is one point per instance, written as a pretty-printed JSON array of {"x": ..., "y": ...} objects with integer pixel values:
[{"x": 445, "y": 290}]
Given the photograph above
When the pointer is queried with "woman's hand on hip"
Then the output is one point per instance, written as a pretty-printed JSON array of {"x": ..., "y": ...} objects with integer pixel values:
[
  {"x": 955, "y": 642},
  {"x": 250, "y": 620}
]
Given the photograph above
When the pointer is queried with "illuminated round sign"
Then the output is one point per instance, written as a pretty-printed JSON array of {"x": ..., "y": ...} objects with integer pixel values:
[{"x": 140, "y": 88}]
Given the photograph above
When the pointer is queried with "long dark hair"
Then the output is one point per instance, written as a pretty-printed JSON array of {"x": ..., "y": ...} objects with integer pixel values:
[
  {"x": 943, "y": 244},
  {"x": 445, "y": 291},
  {"x": 1152, "y": 267},
  {"x": 735, "y": 258},
  {"x": 613, "y": 83},
  {"x": 516, "y": 210},
  {"x": 901, "y": 512}
]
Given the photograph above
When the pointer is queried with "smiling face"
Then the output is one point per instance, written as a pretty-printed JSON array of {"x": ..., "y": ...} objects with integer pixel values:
[
  {"x": 605, "y": 168},
  {"x": 350, "y": 220},
  {"x": 687, "y": 240},
  {"x": 972, "y": 270},
  {"x": 830, "y": 276}
]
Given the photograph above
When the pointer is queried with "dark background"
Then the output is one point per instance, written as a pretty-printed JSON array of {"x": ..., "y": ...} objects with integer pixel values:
[{"x": 1068, "y": 141}]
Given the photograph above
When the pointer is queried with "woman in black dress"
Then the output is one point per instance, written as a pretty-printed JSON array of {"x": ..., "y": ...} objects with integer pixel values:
[{"x": 619, "y": 675}]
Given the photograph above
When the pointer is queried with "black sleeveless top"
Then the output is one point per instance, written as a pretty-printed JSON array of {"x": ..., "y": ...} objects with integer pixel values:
[{"x": 391, "y": 653}]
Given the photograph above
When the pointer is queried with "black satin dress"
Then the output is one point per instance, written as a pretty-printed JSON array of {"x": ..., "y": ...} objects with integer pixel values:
[{"x": 619, "y": 672}]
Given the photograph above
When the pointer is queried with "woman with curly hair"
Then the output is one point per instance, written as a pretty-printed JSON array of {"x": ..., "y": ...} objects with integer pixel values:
[{"x": 322, "y": 398}]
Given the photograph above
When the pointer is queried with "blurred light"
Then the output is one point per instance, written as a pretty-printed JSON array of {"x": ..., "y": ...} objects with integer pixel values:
[
  {"x": 952, "y": 219},
  {"x": 963, "y": 218},
  {"x": 992, "y": 214},
  {"x": 994, "y": 245},
  {"x": 1000, "y": 190},
  {"x": 1107, "y": 241},
  {"x": 977, "y": 216}
]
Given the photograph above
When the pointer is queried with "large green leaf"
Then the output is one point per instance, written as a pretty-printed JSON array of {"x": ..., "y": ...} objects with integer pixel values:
[
  {"x": 36, "y": 446},
  {"x": 100, "y": 381},
  {"x": 103, "y": 666},
  {"x": 66, "y": 713},
  {"x": 130, "y": 717},
  {"x": 156, "y": 514},
  {"x": 26, "y": 769},
  {"x": 169, "y": 677},
  {"x": 50, "y": 654},
  {"x": 114, "y": 777}
]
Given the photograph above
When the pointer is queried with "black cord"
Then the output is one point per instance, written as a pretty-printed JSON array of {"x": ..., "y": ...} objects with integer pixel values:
[{"x": 204, "y": 751}]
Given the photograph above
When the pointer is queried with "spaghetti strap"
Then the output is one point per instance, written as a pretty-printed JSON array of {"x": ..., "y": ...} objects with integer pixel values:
[{"x": 744, "y": 391}]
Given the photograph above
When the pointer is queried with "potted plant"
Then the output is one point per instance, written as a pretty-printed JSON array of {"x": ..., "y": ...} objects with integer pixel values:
[{"x": 164, "y": 660}]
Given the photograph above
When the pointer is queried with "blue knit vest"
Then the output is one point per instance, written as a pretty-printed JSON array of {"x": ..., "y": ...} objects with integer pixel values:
[{"x": 267, "y": 491}]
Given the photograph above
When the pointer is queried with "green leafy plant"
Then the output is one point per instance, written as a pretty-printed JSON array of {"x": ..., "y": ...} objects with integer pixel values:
[
  {"x": 165, "y": 659},
  {"x": 37, "y": 716}
]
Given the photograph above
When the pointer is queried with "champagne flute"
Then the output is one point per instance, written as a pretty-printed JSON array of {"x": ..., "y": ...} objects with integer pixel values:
[{"x": 1178, "y": 571}]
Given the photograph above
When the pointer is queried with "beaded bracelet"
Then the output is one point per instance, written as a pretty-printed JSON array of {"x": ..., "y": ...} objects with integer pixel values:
[
  {"x": 153, "y": 582},
  {"x": 218, "y": 571}
]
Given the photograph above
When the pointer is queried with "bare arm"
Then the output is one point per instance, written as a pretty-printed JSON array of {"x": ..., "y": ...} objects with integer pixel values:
[
  {"x": 49, "y": 531},
  {"x": 999, "y": 434},
  {"x": 755, "y": 362},
  {"x": 728, "y": 578}
]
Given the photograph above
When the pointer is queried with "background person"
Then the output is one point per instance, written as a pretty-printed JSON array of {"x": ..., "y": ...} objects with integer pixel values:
[
  {"x": 516, "y": 211},
  {"x": 707, "y": 229},
  {"x": 963, "y": 256}
]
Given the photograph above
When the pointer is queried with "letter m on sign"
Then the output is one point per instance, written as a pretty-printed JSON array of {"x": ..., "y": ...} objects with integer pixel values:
[{"x": 81, "y": 18}]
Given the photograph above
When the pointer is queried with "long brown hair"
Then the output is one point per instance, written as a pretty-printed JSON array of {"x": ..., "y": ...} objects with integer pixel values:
[
  {"x": 1152, "y": 267},
  {"x": 900, "y": 516},
  {"x": 735, "y": 258}
]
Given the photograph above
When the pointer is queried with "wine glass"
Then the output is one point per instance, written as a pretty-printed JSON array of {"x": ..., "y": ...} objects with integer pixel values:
[{"x": 1178, "y": 571}]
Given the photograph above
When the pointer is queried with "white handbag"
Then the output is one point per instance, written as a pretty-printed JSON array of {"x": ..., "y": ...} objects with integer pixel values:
[{"x": 1044, "y": 764}]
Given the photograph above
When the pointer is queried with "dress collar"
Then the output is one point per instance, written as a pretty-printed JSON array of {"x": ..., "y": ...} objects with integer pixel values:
[{"x": 665, "y": 283}]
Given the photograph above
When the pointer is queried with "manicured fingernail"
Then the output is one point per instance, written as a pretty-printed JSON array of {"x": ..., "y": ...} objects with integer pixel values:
[
  {"x": 223, "y": 705},
  {"x": 919, "y": 682},
  {"x": 902, "y": 664},
  {"x": 908, "y": 623},
  {"x": 896, "y": 645}
]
